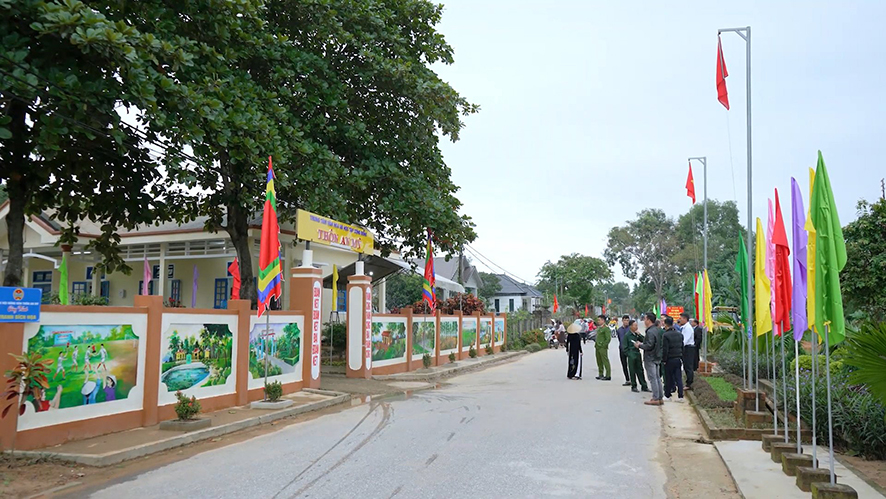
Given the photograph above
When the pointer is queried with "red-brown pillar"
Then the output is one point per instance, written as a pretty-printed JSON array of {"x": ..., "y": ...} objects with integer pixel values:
[
  {"x": 244, "y": 311},
  {"x": 12, "y": 338},
  {"x": 437, "y": 338},
  {"x": 153, "y": 333},
  {"x": 407, "y": 311},
  {"x": 460, "y": 315},
  {"x": 306, "y": 294}
]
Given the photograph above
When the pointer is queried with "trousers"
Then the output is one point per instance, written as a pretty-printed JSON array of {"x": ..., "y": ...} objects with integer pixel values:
[
  {"x": 673, "y": 376},
  {"x": 653, "y": 373},
  {"x": 690, "y": 363},
  {"x": 635, "y": 367},
  {"x": 624, "y": 364},
  {"x": 603, "y": 366}
]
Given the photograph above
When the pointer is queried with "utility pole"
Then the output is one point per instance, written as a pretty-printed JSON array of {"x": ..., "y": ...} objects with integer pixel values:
[{"x": 883, "y": 188}]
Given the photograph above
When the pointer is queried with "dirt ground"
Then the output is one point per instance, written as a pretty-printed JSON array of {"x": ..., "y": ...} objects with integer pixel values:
[{"x": 875, "y": 471}]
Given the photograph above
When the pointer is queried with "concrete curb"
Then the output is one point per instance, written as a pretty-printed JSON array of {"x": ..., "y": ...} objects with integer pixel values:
[
  {"x": 729, "y": 470},
  {"x": 115, "y": 457},
  {"x": 447, "y": 372}
]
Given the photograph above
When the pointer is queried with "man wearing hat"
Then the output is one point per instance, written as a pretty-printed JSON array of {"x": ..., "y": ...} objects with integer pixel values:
[{"x": 573, "y": 349}]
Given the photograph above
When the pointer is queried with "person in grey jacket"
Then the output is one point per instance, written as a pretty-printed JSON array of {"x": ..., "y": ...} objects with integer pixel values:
[{"x": 651, "y": 347}]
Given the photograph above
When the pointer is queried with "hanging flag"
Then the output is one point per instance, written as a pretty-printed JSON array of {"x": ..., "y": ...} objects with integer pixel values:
[
  {"x": 830, "y": 257},
  {"x": 656, "y": 311},
  {"x": 603, "y": 311},
  {"x": 664, "y": 306},
  {"x": 708, "y": 296},
  {"x": 234, "y": 270},
  {"x": 586, "y": 310},
  {"x": 270, "y": 276},
  {"x": 696, "y": 291},
  {"x": 722, "y": 95},
  {"x": 741, "y": 266},
  {"x": 194, "y": 289},
  {"x": 762, "y": 311},
  {"x": 810, "y": 261},
  {"x": 782, "y": 284},
  {"x": 556, "y": 306},
  {"x": 770, "y": 260},
  {"x": 799, "y": 239},
  {"x": 690, "y": 185},
  {"x": 63, "y": 296},
  {"x": 335, "y": 288},
  {"x": 428, "y": 295},
  {"x": 146, "y": 277}
]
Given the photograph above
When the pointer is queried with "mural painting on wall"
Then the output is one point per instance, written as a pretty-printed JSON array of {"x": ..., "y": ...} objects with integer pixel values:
[
  {"x": 485, "y": 331},
  {"x": 195, "y": 355},
  {"x": 388, "y": 340},
  {"x": 282, "y": 344},
  {"x": 499, "y": 331},
  {"x": 468, "y": 334},
  {"x": 424, "y": 333},
  {"x": 90, "y": 364},
  {"x": 448, "y": 334}
]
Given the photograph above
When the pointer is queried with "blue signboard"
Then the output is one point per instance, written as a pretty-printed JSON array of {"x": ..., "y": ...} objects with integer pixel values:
[{"x": 20, "y": 304}]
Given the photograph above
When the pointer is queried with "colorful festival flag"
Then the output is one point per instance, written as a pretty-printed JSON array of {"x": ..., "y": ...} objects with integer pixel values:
[
  {"x": 234, "y": 270},
  {"x": 697, "y": 291},
  {"x": 722, "y": 95},
  {"x": 762, "y": 311},
  {"x": 690, "y": 185},
  {"x": 810, "y": 261},
  {"x": 428, "y": 295},
  {"x": 146, "y": 277},
  {"x": 770, "y": 260},
  {"x": 782, "y": 284},
  {"x": 194, "y": 289},
  {"x": 335, "y": 288},
  {"x": 799, "y": 238},
  {"x": 830, "y": 257},
  {"x": 270, "y": 276},
  {"x": 63, "y": 296},
  {"x": 741, "y": 266}
]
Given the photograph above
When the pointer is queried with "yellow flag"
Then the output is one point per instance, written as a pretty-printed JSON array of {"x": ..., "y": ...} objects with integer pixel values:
[
  {"x": 810, "y": 261},
  {"x": 762, "y": 289},
  {"x": 335, "y": 288},
  {"x": 708, "y": 317}
]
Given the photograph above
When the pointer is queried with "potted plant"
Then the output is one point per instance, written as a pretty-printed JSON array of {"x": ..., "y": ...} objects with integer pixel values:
[
  {"x": 472, "y": 352},
  {"x": 186, "y": 409},
  {"x": 451, "y": 357},
  {"x": 28, "y": 379},
  {"x": 426, "y": 360},
  {"x": 273, "y": 393}
]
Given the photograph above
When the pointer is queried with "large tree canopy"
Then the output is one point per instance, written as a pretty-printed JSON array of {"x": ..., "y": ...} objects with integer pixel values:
[
  {"x": 579, "y": 278},
  {"x": 863, "y": 279},
  {"x": 645, "y": 249}
]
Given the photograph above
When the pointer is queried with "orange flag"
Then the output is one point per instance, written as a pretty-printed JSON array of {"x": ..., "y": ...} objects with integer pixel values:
[
  {"x": 556, "y": 306},
  {"x": 722, "y": 95},
  {"x": 586, "y": 310},
  {"x": 690, "y": 185}
]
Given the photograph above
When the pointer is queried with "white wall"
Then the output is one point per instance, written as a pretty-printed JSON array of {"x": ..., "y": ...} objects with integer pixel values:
[{"x": 504, "y": 302}]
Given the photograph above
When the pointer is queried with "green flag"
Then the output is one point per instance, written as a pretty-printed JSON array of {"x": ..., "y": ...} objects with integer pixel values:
[
  {"x": 741, "y": 266},
  {"x": 63, "y": 281},
  {"x": 830, "y": 257},
  {"x": 656, "y": 311}
]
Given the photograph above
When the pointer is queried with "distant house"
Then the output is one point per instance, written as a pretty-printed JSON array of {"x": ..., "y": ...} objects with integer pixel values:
[
  {"x": 449, "y": 270},
  {"x": 514, "y": 296}
]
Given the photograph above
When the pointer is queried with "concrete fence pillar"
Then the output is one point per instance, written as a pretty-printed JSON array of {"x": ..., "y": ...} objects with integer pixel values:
[
  {"x": 359, "y": 342},
  {"x": 306, "y": 295}
]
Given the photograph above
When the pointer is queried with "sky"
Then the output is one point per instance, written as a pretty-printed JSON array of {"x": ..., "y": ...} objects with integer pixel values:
[{"x": 590, "y": 109}]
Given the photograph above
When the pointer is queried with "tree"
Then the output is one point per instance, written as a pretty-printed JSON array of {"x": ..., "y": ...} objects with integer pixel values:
[
  {"x": 491, "y": 285},
  {"x": 620, "y": 294},
  {"x": 581, "y": 277},
  {"x": 863, "y": 279},
  {"x": 403, "y": 289},
  {"x": 645, "y": 249}
]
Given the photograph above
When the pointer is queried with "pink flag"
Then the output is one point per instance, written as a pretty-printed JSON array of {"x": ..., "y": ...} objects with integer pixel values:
[
  {"x": 146, "y": 277},
  {"x": 770, "y": 260}
]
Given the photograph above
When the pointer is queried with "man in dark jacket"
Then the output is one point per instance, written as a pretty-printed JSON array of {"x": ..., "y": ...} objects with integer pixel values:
[
  {"x": 672, "y": 353},
  {"x": 621, "y": 332},
  {"x": 699, "y": 339},
  {"x": 651, "y": 347}
]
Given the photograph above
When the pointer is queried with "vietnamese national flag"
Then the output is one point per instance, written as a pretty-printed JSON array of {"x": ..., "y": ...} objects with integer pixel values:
[
  {"x": 690, "y": 185},
  {"x": 556, "y": 306},
  {"x": 782, "y": 282},
  {"x": 722, "y": 95},
  {"x": 586, "y": 310},
  {"x": 234, "y": 269}
]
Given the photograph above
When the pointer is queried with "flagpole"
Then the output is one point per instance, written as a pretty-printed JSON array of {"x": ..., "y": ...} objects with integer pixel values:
[
  {"x": 814, "y": 337},
  {"x": 797, "y": 389},
  {"x": 704, "y": 163},
  {"x": 784, "y": 384},
  {"x": 775, "y": 381},
  {"x": 827, "y": 357}
]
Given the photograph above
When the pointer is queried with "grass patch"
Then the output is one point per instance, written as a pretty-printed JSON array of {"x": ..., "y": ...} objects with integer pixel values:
[
  {"x": 724, "y": 389},
  {"x": 723, "y": 418},
  {"x": 707, "y": 397}
]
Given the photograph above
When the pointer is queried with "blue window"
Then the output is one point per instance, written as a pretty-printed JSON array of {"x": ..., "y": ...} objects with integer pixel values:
[
  {"x": 106, "y": 289},
  {"x": 42, "y": 280},
  {"x": 150, "y": 287},
  {"x": 176, "y": 290},
  {"x": 89, "y": 271},
  {"x": 340, "y": 300},
  {"x": 79, "y": 288},
  {"x": 221, "y": 294}
]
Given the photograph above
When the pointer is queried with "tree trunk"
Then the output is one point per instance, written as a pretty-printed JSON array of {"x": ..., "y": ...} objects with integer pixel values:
[
  {"x": 238, "y": 226},
  {"x": 17, "y": 191}
]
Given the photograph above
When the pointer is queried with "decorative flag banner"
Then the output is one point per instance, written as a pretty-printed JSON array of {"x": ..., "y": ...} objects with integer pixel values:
[
  {"x": 146, "y": 277},
  {"x": 690, "y": 185},
  {"x": 664, "y": 306},
  {"x": 741, "y": 266},
  {"x": 586, "y": 310},
  {"x": 782, "y": 285},
  {"x": 63, "y": 297},
  {"x": 770, "y": 260},
  {"x": 830, "y": 257},
  {"x": 335, "y": 288},
  {"x": 762, "y": 311},
  {"x": 810, "y": 261},
  {"x": 722, "y": 95},
  {"x": 234, "y": 269},
  {"x": 428, "y": 295},
  {"x": 708, "y": 316},
  {"x": 696, "y": 291},
  {"x": 194, "y": 289},
  {"x": 799, "y": 239},
  {"x": 270, "y": 276},
  {"x": 556, "y": 306},
  {"x": 656, "y": 311}
]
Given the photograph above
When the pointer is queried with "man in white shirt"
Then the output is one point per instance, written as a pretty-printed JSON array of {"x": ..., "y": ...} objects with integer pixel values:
[{"x": 689, "y": 350}]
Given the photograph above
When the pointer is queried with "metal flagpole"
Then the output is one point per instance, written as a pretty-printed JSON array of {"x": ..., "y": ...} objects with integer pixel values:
[
  {"x": 267, "y": 332},
  {"x": 797, "y": 388},
  {"x": 784, "y": 384},
  {"x": 814, "y": 337},
  {"x": 704, "y": 330},
  {"x": 827, "y": 367},
  {"x": 756, "y": 373},
  {"x": 775, "y": 382}
]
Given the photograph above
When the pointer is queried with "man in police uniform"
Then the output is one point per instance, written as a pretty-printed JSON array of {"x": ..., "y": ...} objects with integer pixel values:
[{"x": 604, "y": 335}]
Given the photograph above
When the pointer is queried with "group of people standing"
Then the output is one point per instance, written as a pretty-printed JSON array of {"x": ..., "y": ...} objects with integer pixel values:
[{"x": 668, "y": 347}]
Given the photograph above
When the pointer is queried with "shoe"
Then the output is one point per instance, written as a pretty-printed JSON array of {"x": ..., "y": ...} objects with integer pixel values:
[
  {"x": 679, "y": 400},
  {"x": 607, "y": 378},
  {"x": 634, "y": 389},
  {"x": 651, "y": 402},
  {"x": 598, "y": 377},
  {"x": 626, "y": 383},
  {"x": 644, "y": 389},
  {"x": 667, "y": 397},
  {"x": 659, "y": 402},
  {"x": 687, "y": 389},
  {"x": 577, "y": 377}
]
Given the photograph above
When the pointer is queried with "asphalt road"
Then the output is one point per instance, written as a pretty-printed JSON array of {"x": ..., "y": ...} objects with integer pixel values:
[{"x": 517, "y": 430}]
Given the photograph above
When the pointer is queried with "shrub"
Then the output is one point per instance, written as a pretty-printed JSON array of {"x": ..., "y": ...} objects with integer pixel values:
[
  {"x": 504, "y": 347},
  {"x": 426, "y": 360},
  {"x": 533, "y": 347},
  {"x": 451, "y": 357},
  {"x": 338, "y": 333},
  {"x": 837, "y": 366},
  {"x": 186, "y": 408},
  {"x": 866, "y": 351},
  {"x": 472, "y": 353},
  {"x": 489, "y": 350},
  {"x": 273, "y": 391}
]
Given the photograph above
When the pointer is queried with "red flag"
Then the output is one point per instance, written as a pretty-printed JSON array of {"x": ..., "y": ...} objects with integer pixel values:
[
  {"x": 722, "y": 95},
  {"x": 781, "y": 285},
  {"x": 690, "y": 185},
  {"x": 234, "y": 269},
  {"x": 604, "y": 311},
  {"x": 556, "y": 306},
  {"x": 586, "y": 310}
]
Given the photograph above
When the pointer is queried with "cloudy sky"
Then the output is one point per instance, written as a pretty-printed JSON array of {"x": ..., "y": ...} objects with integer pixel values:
[{"x": 590, "y": 109}]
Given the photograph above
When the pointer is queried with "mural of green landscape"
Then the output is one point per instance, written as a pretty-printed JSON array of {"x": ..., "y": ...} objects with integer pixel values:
[
  {"x": 196, "y": 355},
  {"x": 448, "y": 334},
  {"x": 485, "y": 332},
  {"x": 90, "y": 364},
  {"x": 388, "y": 340},
  {"x": 499, "y": 330},
  {"x": 281, "y": 341},
  {"x": 424, "y": 334},
  {"x": 468, "y": 333}
]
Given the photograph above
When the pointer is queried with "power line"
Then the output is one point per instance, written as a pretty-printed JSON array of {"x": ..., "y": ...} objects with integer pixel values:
[{"x": 478, "y": 255}]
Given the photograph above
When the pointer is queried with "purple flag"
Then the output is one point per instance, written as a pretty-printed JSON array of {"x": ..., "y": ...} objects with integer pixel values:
[
  {"x": 146, "y": 277},
  {"x": 798, "y": 214},
  {"x": 194, "y": 289}
]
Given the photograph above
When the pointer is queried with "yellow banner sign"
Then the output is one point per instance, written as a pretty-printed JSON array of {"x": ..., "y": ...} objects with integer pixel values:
[{"x": 319, "y": 229}]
